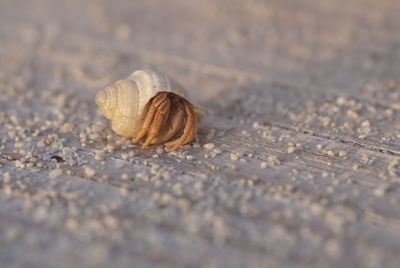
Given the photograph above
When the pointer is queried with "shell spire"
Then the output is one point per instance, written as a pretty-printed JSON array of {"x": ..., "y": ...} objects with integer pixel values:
[{"x": 119, "y": 104}]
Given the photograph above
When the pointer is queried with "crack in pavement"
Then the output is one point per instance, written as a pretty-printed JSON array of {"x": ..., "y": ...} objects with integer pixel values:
[{"x": 341, "y": 140}]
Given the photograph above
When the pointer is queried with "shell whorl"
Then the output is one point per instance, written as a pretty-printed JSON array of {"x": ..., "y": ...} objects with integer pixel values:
[
  {"x": 119, "y": 103},
  {"x": 107, "y": 100},
  {"x": 150, "y": 83}
]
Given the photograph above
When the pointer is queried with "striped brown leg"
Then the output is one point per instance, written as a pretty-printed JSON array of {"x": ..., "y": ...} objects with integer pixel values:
[
  {"x": 147, "y": 123},
  {"x": 173, "y": 126},
  {"x": 163, "y": 107},
  {"x": 150, "y": 115},
  {"x": 189, "y": 132}
]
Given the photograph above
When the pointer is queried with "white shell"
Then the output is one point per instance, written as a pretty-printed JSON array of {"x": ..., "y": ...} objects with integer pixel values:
[{"x": 124, "y": 102}]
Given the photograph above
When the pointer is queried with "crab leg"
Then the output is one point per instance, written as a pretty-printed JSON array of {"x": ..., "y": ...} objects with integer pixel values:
[
  {"x": 174, "y": 125},
  {"x": 189, "y": 132},
  {"x": 191, "y": 117},
  {"x": 147, "y": 123},
  {"x": 162, "y": 113},
  {"x": 150, "y": 115}
]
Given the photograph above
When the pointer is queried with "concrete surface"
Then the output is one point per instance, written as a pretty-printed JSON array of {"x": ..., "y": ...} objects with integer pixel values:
[{"x": 302, "y": 101}]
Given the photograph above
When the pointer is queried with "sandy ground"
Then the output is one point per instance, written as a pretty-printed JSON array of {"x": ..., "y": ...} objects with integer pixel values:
[{"x": 302, "y": 133}]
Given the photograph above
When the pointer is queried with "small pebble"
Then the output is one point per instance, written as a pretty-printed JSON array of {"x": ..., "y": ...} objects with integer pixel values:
[
  {"x": 263, "y": 165},
  {"x": 365, "y": 124},
  {"x": 330, "y": 153},
  {"x": 381, "y": 191},
  {"x": 190, "y": 157},
  {"x": 256, "y": 125},
  {"x": 209, "y": 146},
  {"x": 291, "y": 150},
  {"x": 217, "y": 151},
  {"x": 195, "y": 146},
  {"x": 245, "y": 133},
  {"x": 90, "y": 172},
  {"x": 274, "y": 159},
  {"x": 99, "y": 155}
]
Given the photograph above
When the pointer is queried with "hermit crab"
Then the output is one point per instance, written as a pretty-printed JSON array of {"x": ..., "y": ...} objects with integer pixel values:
[{"x": 153, "y": 104}]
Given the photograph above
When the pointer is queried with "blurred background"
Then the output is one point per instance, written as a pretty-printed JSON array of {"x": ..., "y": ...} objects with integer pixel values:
[{"x": 336, "y": 44}]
